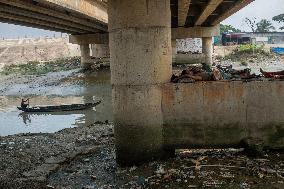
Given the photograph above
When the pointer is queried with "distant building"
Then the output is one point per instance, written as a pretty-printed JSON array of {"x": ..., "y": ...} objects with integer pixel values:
[{"x": 250, "y": 37}]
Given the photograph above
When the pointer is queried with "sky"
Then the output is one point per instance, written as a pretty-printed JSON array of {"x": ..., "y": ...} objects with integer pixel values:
[
  {"x": 259, "y": 9},
  {"x": 15, "y": 31}
]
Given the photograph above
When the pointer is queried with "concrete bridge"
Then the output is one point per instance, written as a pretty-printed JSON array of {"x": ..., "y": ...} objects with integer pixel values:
[
  {"x": 152, "y": 116},
  {"x": 67, "y": 16},
  {"x": 87, "y": 20}
]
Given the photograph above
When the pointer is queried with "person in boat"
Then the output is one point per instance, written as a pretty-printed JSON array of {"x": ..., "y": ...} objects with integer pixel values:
[{"x": 25, "y": 103}]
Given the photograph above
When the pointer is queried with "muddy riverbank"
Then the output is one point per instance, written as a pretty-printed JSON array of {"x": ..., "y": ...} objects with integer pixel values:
[{"x": 84, "y": 157}]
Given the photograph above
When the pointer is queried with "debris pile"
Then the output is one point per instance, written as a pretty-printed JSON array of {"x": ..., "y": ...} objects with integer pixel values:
[
  {"x": 205, "y": 168},
  {"x": 205, "y": 73}
]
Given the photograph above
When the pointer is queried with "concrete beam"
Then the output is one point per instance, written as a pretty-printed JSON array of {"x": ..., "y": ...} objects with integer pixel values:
[
  {"x": 97, "y": 38},
  {"x": 209, "y": 9},
  {"x": 195, "y": 32},
  {"x": 48, "y": 19},
  {"x": 53, "y": 13},
  {"x": 238, "y": 6},
  {"x": 94, "y": 9},
  {"x": 183, "y": 6},
  {"x": 22, "y": 23},
  {"x": 39, "y": 23}
]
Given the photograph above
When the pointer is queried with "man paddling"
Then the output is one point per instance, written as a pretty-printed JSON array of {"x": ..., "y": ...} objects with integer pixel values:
[{"x": 25, "y": 103}]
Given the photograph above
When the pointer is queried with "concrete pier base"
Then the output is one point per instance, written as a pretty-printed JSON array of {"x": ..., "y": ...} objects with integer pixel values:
[
  {"x": 86, "y": 60},
  {"x": 100, "y": 50},
  {"x": 207, "y": 50},
  {"x": 140, "y": 48},
  {"x": 223, "y": 114}
]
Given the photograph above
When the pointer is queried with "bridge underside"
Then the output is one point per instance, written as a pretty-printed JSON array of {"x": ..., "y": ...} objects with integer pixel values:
[
  {"x": 87, "y": 17},
  {"x": 206, "y": 13},
  {"x": 73, "y": 17}
]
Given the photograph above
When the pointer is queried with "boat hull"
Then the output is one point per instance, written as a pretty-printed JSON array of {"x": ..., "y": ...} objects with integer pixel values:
[{"x": 72, "y": 107}]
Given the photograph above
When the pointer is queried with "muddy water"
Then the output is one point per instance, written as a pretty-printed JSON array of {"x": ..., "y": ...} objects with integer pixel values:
[{"x": 54, "y": 89}]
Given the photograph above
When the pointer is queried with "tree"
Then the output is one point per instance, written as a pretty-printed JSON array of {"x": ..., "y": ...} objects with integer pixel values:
[
  {"x": 264, "y": 26},
  {"x": 251, "y": 23},
  {"x": 228, "y": 28},
  {"x": 279, "y": 18}
]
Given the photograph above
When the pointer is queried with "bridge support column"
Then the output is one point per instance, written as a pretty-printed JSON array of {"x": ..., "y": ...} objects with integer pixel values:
[
  {"x": 140, "y": 53},
  {"x": 174, "y": 49},
  {"x": 207, "y": 50},
  {"x": 86, "y": 60},
  {"x": 100, "y": 50}
]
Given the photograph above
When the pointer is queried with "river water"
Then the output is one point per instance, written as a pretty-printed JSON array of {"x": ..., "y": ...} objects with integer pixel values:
[
  {"x": 67, "y": 87},
  {"x": 59, "y": 88}
]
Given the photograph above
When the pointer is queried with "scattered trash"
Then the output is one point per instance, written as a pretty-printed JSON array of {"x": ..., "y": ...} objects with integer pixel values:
[
  {"x": 132, "y": 168},
  {"x": 49, "y": 186},
  {"x": 93, "y": 177},
  {"x": 278, "y": 50}
]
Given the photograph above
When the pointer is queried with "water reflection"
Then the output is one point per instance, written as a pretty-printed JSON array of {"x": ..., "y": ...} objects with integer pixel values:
[
  {"x": 26, "y": 118},
  {"x": 88, "y": 88}
]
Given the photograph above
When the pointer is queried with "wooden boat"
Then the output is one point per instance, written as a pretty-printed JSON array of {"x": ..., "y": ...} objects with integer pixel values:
[{"x": 71, "y": 107}]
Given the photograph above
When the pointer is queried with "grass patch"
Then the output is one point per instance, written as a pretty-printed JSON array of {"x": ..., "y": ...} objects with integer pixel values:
[
  {"x": 39, "y": 68},
  {"x": 248, "y": 52},
  {"x": 248, "y": 48}
]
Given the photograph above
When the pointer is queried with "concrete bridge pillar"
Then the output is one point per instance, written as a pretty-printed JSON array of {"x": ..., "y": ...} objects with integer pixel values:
[
  {"x": 86, "y": 60},
  {"x": 174, "y": 49},
  {"x": 141, "y": 56},
  {"x": 207, "y": 49},
  {"x": 100, "y": 50}
]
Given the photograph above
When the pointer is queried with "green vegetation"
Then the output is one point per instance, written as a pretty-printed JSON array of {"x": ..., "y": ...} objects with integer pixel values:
[
  {"x": 228, "y": 28},
  {"x": 246, "y": 53},
  {"x": 264, "y": 26},
  {"x": 249, "y": 48},
  {"x": 38, "y": 68},
  {"x": 279, "y": 18},
  {"x": 251, "y": 23}
]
